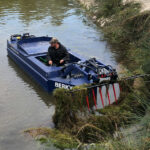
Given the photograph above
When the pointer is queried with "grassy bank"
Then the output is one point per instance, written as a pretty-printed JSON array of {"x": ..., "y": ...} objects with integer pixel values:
[{"x": 136, "y": 137}]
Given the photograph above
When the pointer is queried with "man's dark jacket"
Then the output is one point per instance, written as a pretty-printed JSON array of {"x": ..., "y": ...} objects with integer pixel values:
[{"x": 58, "y": 54}]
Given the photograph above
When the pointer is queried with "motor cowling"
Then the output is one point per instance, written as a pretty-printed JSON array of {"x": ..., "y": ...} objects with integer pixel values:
[{"x": 15, "y": 37}]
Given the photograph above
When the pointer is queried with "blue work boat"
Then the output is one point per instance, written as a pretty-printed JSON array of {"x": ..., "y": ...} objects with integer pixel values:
[{"x": 30, "y": 53}]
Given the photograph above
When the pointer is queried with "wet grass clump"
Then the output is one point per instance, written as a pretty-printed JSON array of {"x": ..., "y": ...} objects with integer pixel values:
[
  {"x": 68, "y": 105},
  {"x": 51, "y": 137}
]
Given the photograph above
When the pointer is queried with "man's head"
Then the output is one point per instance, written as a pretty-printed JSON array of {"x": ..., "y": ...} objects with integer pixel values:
[{"x": 54, "y": 43}]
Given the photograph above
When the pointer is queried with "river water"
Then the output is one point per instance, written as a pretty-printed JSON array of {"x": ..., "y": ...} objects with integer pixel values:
[{"x": 23, "y": 104}]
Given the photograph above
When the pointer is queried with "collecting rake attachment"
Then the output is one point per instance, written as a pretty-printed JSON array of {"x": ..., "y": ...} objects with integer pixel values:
[{"x": 101, "y": 95}]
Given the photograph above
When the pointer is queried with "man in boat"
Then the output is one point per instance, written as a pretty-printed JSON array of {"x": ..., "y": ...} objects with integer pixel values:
[{"x": 57, "y": 53}]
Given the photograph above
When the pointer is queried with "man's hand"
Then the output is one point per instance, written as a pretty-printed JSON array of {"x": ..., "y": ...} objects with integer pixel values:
[
  {"x": 61, "y": 61},
  {"x": 50, "y": 62}
]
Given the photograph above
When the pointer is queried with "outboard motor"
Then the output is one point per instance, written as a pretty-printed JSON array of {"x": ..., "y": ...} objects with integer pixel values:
[{"x": 15, "y": 37}]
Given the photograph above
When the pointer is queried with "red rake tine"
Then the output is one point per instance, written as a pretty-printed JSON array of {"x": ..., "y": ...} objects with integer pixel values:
[
  {"x": 114, "y": 93},
  {"x": 108, "y": 95},
  {"x": 87, "y": 100},
  {"x": 100, "y": 92},
  {"x": 94, "y": 99}
]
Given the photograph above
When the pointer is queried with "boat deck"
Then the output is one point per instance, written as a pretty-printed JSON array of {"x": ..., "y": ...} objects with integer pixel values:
[{"x": 35, "y": 47}]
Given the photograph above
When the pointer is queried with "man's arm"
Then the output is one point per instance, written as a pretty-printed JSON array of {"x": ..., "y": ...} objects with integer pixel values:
[
  {"x": 49, "y": 56},
  {"x": 66, "y": 58}
]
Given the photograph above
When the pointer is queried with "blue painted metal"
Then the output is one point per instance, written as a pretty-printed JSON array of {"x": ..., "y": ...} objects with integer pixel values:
[{"x": 30, "y": 51}]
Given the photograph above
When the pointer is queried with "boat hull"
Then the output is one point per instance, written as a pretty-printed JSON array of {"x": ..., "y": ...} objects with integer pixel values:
[{"x": 47, "y": 85}]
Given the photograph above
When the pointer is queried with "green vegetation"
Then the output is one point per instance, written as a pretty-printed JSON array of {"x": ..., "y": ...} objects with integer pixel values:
[
  {"x": 136, "y": 137},
  {"x": 67, "y": 107},
  {"x": 54, "y": 137},
  {"x": 107, "y": 8}
]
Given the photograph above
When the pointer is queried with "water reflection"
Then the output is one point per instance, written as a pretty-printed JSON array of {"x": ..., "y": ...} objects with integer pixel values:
[
  {"x": 47, "y": 98},
  {"x": 36, "y": 10}
]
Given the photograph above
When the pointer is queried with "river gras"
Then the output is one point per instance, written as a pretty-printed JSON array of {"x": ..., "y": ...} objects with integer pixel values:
[{"x": 23, "y": 104}]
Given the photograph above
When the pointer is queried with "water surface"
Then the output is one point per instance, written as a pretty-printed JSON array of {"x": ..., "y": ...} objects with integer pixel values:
[{"x": 23, "y": 104}]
